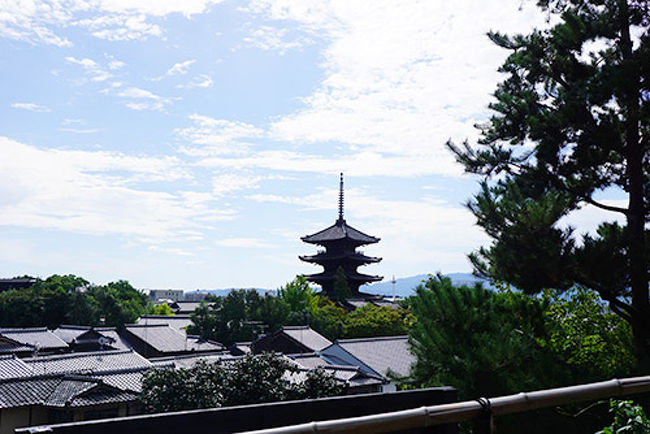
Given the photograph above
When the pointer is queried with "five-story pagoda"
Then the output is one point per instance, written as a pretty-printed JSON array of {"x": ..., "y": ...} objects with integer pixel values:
[{"x": 340, "y": 242}]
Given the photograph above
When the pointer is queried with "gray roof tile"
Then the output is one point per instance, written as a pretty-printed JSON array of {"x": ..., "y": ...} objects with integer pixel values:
[
  {"x": 34, "y": 337},
  {"x": 178, "y": 322},
  {"x": 306, "y": 336},
  {"x": 339, "y": 231},
  {"x": 165, "y": 339},
  {"x": 13, "y": 367},
  {"x": 96, "y": 361},
  {"x": 381, "y": 353}
]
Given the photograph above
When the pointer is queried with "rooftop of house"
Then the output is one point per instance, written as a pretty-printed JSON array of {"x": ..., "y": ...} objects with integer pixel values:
[
  {"x": 13, "y": 367},
  {"x": 381, "y": 354},
  {"x": 306, "y": 336},
  {"x": 166, "y": 339},
  {"x": 34, "y": 337},
  {"x": 179, "y": 322},
  {"x": 87, "y": 362},
  {"x": 59, "y": 391}
]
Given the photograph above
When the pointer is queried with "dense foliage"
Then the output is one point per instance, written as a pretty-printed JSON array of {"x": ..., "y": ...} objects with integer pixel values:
[
  {"x": 249, "y": 380},
  {"x": 628, "y": 418},
  {"x": 71, "y": 300},
  {"x": 572, "y": 119},
  {"x": 491, "y": 343},
  {"x": 371, "y": 320},
  {"x": 243, "y": 314},
  {"x": 482, "y": 342}
]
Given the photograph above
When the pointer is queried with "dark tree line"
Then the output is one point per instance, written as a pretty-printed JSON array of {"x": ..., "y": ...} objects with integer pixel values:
[{"x": 73, "y": 300}]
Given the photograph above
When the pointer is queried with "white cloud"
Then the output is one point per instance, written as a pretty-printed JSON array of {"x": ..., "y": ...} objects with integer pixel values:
[
  {"x": 97, "y": 193},
  {"x": 180, "y": 68},
  {"x": 247, "y": 243},
  {"x": 398, "y": 81},
  {"x": 73, "y": 122},
  {"x": 80, "y": 130},
  {"x": 275, "y": 39},
  {"x": 360, "y": 163},
  {"x": 92, "y": 68},
  {"x": 217, "y": 136},
  {"x": 37, "y": 21},
  {"x": 201, "y": 80},
  {"x": 145, "y": 99},
  {"x": 30, "y": 106},
  {"x": 116, "y": 64}
]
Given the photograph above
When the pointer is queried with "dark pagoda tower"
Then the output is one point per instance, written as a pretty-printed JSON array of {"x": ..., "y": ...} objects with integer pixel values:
[{"x": 340, "y": 242}]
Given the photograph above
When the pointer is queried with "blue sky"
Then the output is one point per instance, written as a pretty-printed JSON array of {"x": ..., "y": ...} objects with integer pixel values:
[{"x": 190, "y": 144}]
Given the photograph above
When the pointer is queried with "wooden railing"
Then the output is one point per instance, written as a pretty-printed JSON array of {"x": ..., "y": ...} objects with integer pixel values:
[{"x": 469, "y": 410}]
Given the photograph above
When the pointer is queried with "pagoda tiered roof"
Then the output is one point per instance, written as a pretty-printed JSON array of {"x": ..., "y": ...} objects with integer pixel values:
[
  {"x": 340, "y": 231},
  {"x": 329, "y": 276},
  {"x": 323, "y": 257}
]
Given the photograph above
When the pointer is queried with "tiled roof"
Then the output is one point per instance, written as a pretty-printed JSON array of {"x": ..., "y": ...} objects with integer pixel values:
[
  {"x": 34, "y": 337},
  {"x": 189, "y": 360},
  {"x": 118, "y": 342},
  {"x": 178, "y": 322},
  {"x": 381, "y": 353},
  {"x": 306, "y": 336},
  {"x": 185, "y": 307},
  {"x": 11, "y": 346},
  {"x": 339, "y": 231},
  {"x": 165, "y": 339},
  {"x": 13, "y": 367},
  {"x": 59, "y": 391},
  {"x": 96, "y": 361},
  {"x": 102, "y": 394},
  {"x": 124, "y": 379},
  {"x": 344, "y": 373},
  {"x": 240, "y": 348},
  {"x": 68, "y": 333}
]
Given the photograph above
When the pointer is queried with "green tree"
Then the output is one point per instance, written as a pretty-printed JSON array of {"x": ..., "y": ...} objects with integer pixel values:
[
  {"x": 298, "y": 295},
  {"x": 328, "y": 319},
  {"x": 583, "y": 332},
  {"x": 249, "y": 380},
  {"x": 371, "y": 320},
  {"x": 119, "y": 302},
  {"x": 160, "y": 309},
  {"x": 628, "y": 418},
  {"x": 572, "y": 118},
  {"x": 229, "y": 319},
  {"x": 482, "y": 342}
]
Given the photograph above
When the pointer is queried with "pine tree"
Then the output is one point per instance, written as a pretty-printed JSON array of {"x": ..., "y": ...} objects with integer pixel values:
[{"x": 571, "y": 119}]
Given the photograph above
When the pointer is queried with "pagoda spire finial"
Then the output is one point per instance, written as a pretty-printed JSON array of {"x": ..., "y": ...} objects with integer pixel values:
[{"x": 341, "y": 198}]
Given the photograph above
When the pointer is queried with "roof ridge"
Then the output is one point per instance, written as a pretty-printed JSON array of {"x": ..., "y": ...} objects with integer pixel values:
[
  {"x": 371, "y": 339},
  {"x": 77, "y": 355},
  {"x": 74, "y": 327},
  {"x": 299, "y": 327},
  {"x": 23, "y": 329},
  {"x": 126, "y": 370}
]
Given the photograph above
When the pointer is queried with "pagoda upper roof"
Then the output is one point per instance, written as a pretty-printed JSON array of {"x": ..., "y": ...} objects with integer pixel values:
[{"x": 339, "y": 231}]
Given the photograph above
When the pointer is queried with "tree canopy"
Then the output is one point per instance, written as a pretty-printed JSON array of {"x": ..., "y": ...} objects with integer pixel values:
[
  {"x": 249, "y": 380},
  {"x": 70, "y": 299},
  {"x": 571, "y": 125}
]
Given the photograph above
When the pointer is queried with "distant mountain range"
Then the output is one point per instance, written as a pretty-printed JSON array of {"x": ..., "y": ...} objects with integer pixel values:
[{"x": 404, "y": 286}]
